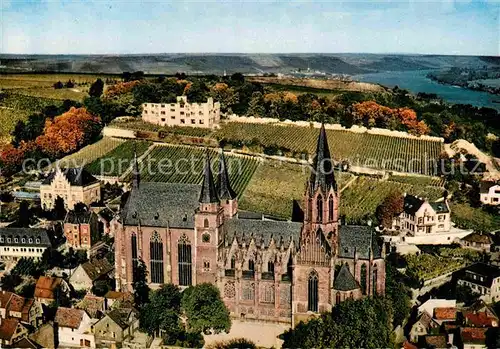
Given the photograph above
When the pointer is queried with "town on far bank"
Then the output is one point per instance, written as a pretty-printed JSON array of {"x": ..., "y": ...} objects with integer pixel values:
[{"x": 245, "y": 211}]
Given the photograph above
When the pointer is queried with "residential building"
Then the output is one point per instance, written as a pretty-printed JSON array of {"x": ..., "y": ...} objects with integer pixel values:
[
  {"x": 74, "y": 328},
  {"x": 11, "y": 330},
  {"x": 50, "y": 289},
  {"x": 433, "y": 303},
  {"x": 445, "y": 314},
  {"x": 26, "y": 343},
  {"x": 421, "y": 217},
  {"x": 477, "y": 241},
  {"x": 489, "y": 193},
  {"x": 267, "y": 270},
  {"x": 45, "y": 336},
  {"x": 80, "y": 227},
  {"x": 115, "y": 299},
  {"x": 17, "y": 243},
  {"x": 473, "y": 337},
  {"x": 424, "y": 326},
  {"x": 182, "y": 113},
  {"x": 483, "y": 279},
  {"x": 438, "y": 341},
  {"x": 74, "y": 185},
  {"x": 479, "y": 319},
  {"x": 84, "y": 276},
  {"x": 115, "y": 327},
  {"x": 94, "y": 306},
  {"x": 27, "y": 310}
]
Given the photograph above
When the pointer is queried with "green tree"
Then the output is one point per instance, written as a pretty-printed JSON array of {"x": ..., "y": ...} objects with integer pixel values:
[
  {"x": 389, "y": 208},
  {"x": 256, "y": 105},
  {"x": 162, "y": 313},
  {"x": 205, "y": 309},
  {"x": 96, "y": 88},
  {"x": 59, "y": 210},
  {"x": 24, "y": 215},
  {"x": 398, "y": 294},
  {"x": 140, "y": 284}
]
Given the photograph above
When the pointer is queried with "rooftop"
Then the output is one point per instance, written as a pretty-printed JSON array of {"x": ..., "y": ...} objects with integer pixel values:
[
  {"x": 473, "y": 335},
  {"x": 8, "y": 328},
  {"x": 97, "y": 268},
  {"x": 24, "y": 237},
  {"x": 75, "y": 176},
  {"x": 356, "y": 239},
  {"x": 344, "y": 280},
  {"x": 69, "y": 317},
  {"x": 46, "y": 285},
  {"x": 445, "y": 313}
]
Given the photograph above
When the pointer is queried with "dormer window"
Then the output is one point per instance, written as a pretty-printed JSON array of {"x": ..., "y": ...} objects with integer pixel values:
[
  {"x": 1, "y": 239},
  {"x": 37, "y": 240},
  {"x": 157, "y": 215},
  {"x": 16, "y": 240},
  {"x": 23, "y": 240},
  {"x": 30, "y": 240},
  {"x": 8, "y": 239}
]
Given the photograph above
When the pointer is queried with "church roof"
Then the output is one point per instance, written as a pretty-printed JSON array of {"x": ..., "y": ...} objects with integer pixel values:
[
  {"x": 262, "y": 231},
  {"x": 356, "y": 239},
  {"x": 345, "y": 281},
  {"x": 223, "y": 183},
  {"x": 162, "y": 205},
  {"x": 208, "y": 192},
  {"x": 322, "y": 170}
]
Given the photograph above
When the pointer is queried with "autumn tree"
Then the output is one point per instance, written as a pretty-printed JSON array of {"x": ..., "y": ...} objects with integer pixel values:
[
  {"x": 68, "y": 132},
  {"x": 389, "y": 208},
  {"x": 11, "y": 159}
]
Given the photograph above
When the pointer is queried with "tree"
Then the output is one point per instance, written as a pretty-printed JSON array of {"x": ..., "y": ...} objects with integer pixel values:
[
  {"x": 205, "y": 309},
  {"x": 69, "y": 84},
  {"x": 256, "y": 105},
  {"x": 162, "y": 313},
  {"x": 58, "y": 85},
  {"x": 59, "y": 210},
  {"x": 235, "y": 343},
  {"x": 140, "y": 284},
  {"x": 399, "y": 295},
  {"x": 96, "y": 88},
  {"x": 24, "y": 215},
  {"x": 390, "y": 208}
]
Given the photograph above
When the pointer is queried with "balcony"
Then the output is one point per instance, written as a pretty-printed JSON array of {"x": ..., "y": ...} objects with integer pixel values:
[
  {"x": 248, "y": 274},
  {"x": 267, "y": 276},
  {"x": 229, "y": 272}
]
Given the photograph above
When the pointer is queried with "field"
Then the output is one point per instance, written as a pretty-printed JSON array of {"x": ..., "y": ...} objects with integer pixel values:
[
  {"x": 179, "y": 164},
  {"x": 468, "y": 217},
  {"x": 426, "y": 266},
  {"x": 91, "y": 152},
  {"x": 276, "y": 185},
  {"x": 360, "y": 200},
  {"x": 138, "y": 125},
  {"x": 360, "y": 149},
  {"x": 118, "y": 160},
  {"x": 418, "y": 180}
]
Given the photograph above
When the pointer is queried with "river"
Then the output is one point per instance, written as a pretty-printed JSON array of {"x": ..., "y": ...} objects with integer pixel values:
[{"x": 416, "y": 81}]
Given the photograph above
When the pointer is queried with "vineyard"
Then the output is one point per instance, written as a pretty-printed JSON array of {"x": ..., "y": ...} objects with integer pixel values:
[
  {"x": 179, "y": 164},
  {"x": 360, "y": 149},
  {"x": 90, "y": 153},
  {"x": 360, "y": 200},
  {"x": 426, "y": 266},
  {"x": 118, "y": 160},
  {"x": 138, "y": 125},
  {"x": 276, "y": 185},
  {"x": 419, "y": 180}
]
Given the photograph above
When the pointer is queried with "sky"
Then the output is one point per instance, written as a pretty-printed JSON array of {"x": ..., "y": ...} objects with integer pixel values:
[{"x": 223, "y": 26}]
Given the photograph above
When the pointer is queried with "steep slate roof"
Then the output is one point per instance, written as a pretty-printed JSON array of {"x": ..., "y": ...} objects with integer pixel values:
[
  {"x": 485, "y": 186},
  {"x": 208, "y": 192},
  {"x": 345, "y": 281},
  {"x": 74, "y": 217},
  {"x": 356, "y": 239},
  {"x": 35, "y": 234},
  {"x": 411, "y": 204},
  {"x": 322, "y": 175},
  {"x": 69, "y": 317},
  {"x": 121, "y": 316},
  {"x": 97, "y": 268},
  {"x": 246, "y": 229},
  {"x": 487, "y": 271},
  {"x": 223, "y": 182},
  {"x": 440, "y": 207},
  {"x": 75, "y": 176},
  {"x": 162, "y": 205}
]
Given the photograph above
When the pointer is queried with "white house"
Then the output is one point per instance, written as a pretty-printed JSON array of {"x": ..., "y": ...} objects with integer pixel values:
[
  {"x": 483, "y": 279},
  {"x": 16, "y": 243},
  {"x": 489, "y": 193},
  {"x": 74, "y": 328},
  {"x": 86, "y": 274}
]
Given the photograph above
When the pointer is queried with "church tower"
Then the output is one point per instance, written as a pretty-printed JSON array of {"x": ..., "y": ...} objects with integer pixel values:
[
  {"x": 227, "y": 196},
  {"x": 208, "y": 221}
]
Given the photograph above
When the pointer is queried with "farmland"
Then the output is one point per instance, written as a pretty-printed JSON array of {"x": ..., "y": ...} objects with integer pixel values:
[
  {"x": 118, "y": 160},
  {"x": 179, "y": 164},
  {"x": 90, "y": 153},
  {"x": 360, "y": 149}
]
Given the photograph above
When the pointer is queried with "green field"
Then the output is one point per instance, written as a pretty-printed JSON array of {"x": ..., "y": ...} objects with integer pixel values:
[
  {"x": 180, "y": 164},
  {"x": 91, "y": 152},
  {"x": 468, "y": 217},
  {"x": 419, "y": 180},
  {"x": 118, "y": 160},
  {"x": 360, "y": 149}
]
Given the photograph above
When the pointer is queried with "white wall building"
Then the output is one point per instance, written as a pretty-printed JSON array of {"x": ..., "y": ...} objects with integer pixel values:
[
  {"x": 182, "y": 113},
  {"x": 483, "y": 279},
  {"x": 74, "y": 328},
  {"x": 16, "y": 243},
  {"x": 490, "y": 193}
]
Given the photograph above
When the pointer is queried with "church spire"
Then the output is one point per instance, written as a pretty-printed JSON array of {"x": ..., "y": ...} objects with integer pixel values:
[
  {"x": 223, "y": 183},
  {"x": 135, "y": 172},
  {"x": 208, "y": 192},
  {"x": 322, "y": 175}
]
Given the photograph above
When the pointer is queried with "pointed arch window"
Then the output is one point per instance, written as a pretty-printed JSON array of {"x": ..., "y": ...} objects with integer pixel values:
[
  {"x": 289, "y": 268},
  {"x": 156, "y": 258},
  {"x": 363, "y": 278},
  {"x": 312, "y": 292},
  {"x": 330, "y": 208},
  {"x": 184, "y": 261},
  {"x": 270, "y": 267},
  {"x": 251, "y": 265},
  {"x": 319, "y": 209},
  {"x": 133, "y": 246},
  {"x": 233, "y": 263},
  {"x": 205, "y": 223},
  {"x": 374, "y": 279},
  {"x": 337, "y": 298}
]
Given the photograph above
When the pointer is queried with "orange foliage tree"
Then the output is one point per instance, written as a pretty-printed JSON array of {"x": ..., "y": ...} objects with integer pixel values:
[
  {"x": 11, "y": 159},
  {"x": 120, "y": 88},
  {"x": 68, "y": 132}
]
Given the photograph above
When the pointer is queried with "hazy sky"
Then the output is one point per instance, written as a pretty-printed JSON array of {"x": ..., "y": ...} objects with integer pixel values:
[{"x": 131, "y": 26}]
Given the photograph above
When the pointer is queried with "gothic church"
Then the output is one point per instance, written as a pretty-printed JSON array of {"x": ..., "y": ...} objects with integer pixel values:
[{"x": 266, "y": 270}]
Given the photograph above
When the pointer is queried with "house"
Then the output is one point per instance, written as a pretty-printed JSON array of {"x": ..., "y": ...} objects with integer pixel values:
[
  {"x": 50, "y": 289},
  {"x": 479, "y": 319},
  {"x": 489, "y": 193},
  {"x": 10, "y": 331},
  {"x": 421, "y": 217},
  {"x": 74, "y": 185},
  {"x": 99, "y": 250},
  {"x": 28, "y": 311},
  {"x": 17, "y": 243},
  {"x": 105, "y": 216},
  {"x": 74, "y": 328},
  {"x": 182, "y": 113},
  {"x": 445, "y": 314},
  {"x": 424, "y": 325},
  {"x": 45, "y": 336},
  {"x": 115, "y": 298},
  {"x": 93, "y": 305},
  {"x": 433, "y": 303},
  {"x": 115, "y": 327},
  {"x": 86, "y": 274},
  {"x": 473, "y": 337},
  {"x": 26, "y": 343},
  {"x": 439, "y": 341},
  {"x": 481, "y": 278},
  {"x": 80, "y": 228},
  {"x": 477, "y": 241}
]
